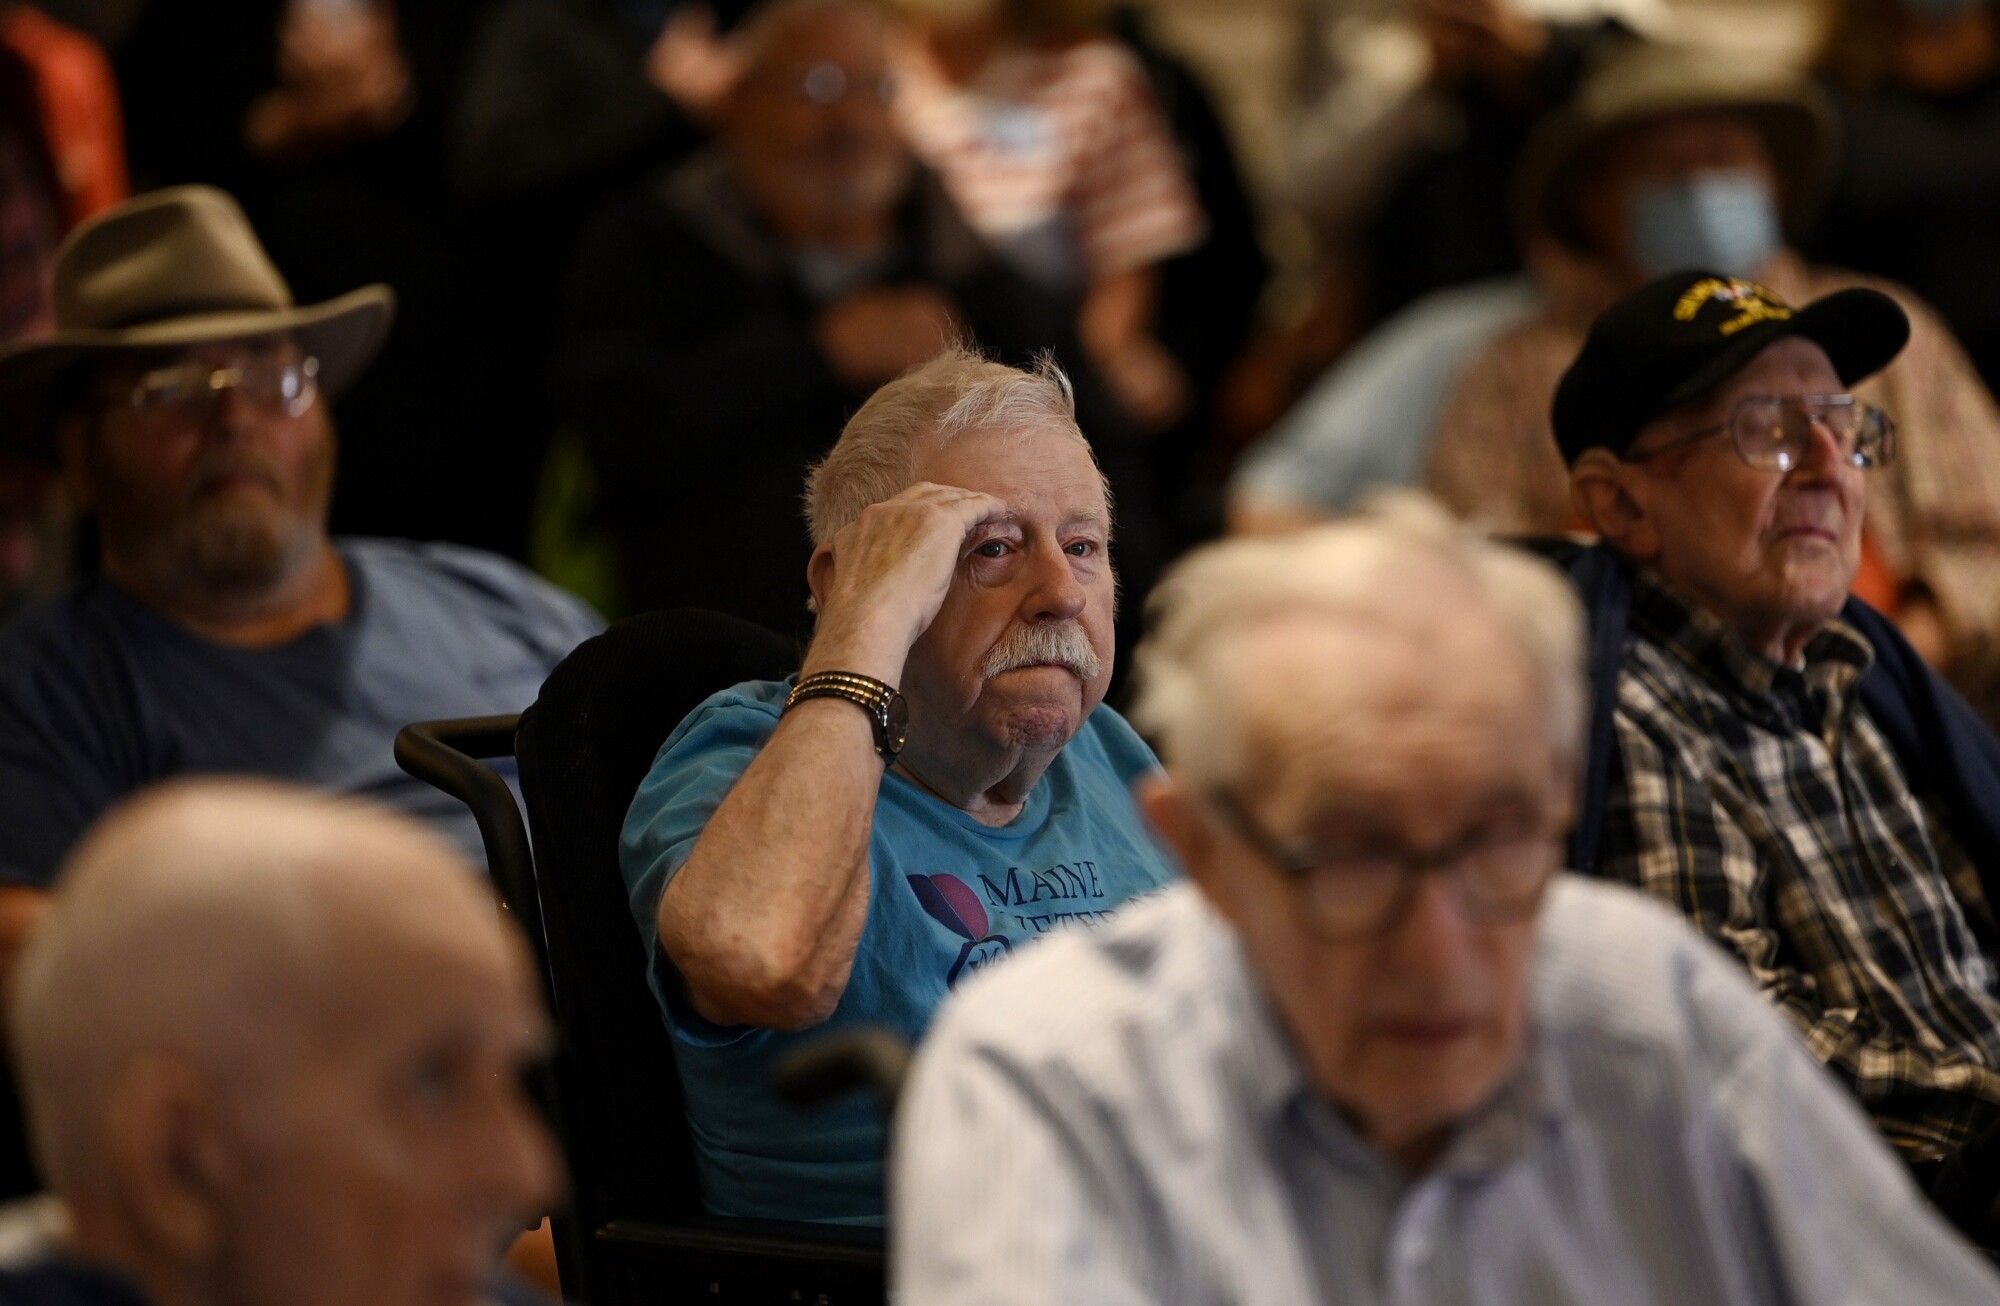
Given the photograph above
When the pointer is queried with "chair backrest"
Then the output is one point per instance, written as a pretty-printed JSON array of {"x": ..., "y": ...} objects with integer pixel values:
[{"x": 584, "y": 747}]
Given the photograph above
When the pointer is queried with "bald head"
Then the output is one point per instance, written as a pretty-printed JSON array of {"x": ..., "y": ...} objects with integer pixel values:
[{"x": 295, "y": 980}]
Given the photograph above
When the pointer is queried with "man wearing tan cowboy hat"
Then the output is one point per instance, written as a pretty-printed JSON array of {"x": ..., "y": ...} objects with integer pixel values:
[
  {"x": 1671, "y": 158},
  {"x": 184, "y": 397}
]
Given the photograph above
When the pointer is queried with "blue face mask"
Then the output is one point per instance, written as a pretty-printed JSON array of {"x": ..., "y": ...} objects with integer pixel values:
[{"x": 1727, "y": 221}]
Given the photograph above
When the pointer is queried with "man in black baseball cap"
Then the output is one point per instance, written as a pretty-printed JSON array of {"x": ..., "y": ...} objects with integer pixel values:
[{"x": 1782, "y": 766}]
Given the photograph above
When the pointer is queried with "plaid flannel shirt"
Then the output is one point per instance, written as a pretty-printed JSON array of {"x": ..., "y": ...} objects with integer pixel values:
[{"x": 1762, "y": 802}]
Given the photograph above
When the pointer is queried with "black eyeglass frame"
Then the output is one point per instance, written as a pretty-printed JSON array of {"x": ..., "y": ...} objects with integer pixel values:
[
  {"x": 1295, "y": 864},
  {"x": 1874, "y": 433}
]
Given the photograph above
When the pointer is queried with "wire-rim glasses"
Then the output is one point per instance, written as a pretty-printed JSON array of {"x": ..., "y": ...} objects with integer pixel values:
[
  {"x": 1351, "y": 896},
  {"x": 279, "y": 385},
  {"x": 1774, "y": 433}
]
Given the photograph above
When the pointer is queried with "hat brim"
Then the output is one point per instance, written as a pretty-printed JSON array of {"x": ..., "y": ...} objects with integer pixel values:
[
  {"x": 1798, "y": 132},
  {"x": 1861, "y": 331},
  {"x": 344, "y": 334}
]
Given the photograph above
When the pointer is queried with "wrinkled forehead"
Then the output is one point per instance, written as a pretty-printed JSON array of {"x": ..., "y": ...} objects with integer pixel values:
[
  {"x": 1351, "y": 711},
  {"x": 795, "y": 39},
  {"x": 1044, "y": 474},
  {"x": 426, "y": 948},
  {"x": 1690, "y": 139},
  {"x": 1790, "y": 366}
]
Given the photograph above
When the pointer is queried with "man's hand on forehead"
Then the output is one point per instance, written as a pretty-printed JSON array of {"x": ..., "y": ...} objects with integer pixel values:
[{"x": 890, "y": 569}]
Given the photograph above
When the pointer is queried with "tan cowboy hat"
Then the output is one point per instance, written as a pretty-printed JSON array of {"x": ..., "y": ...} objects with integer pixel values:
[
  {"x": 179, "y": 266},
  {"x": 1635, "y": 81}
]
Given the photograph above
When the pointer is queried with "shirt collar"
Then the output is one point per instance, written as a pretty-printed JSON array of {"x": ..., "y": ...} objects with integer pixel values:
[
  {"x": 1835, "y": 659},
  {"x": 1271, "y": 1081}
]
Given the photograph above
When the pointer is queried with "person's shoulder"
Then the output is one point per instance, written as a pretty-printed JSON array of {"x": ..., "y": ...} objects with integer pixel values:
[
  {"x": 756, "y": 703},
  {"x": 1108, "y": 741},
  {"x": 1090, "y": 1000},
  {"x": 461, "y": 576},
  {"x": 735, "y": 720},
  {"x": 1926, "y": 323},
  {"x": 1614, "y": 966},
  {"x": 62, "y": 636},
  {"x": 61, "y": 1282}
]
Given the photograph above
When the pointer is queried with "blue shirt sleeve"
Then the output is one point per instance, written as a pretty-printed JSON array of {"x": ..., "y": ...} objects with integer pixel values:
[{"x": 695, "y": 769}]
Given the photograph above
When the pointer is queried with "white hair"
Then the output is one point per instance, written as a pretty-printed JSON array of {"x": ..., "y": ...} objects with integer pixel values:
[
  {"x": 956, "y": 393},
  {"x": 196, "y": 921},
  {"x": 1398, "y": 560}
]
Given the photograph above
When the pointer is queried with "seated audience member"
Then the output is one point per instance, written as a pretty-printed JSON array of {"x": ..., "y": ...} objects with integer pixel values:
[
  {"x": 185, "y": 398},
  {"x": 1783, "y": 768},
  {"x": 1377, "y": 1049},
  {"x": 937, "y": 788},
  {"x": 1366, "y": 423},
  {"x": 1053, "y": 144},
  {"x": 272, "y": 1046},
  {"x": 1676, "y": 158},
  {"x": 722, "y": 323}
]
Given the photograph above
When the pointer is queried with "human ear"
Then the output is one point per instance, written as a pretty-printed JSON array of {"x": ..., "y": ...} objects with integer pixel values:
[
  {"x": 1600, "y": 495},
  {"x": 1181, "y": 820},
  {"x": 168, "y": 1157},
  {"x": 819, "y": 575}
]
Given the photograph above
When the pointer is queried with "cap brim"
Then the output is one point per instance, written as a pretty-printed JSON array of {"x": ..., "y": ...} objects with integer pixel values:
[
  {"x": 344, "y": 334},
  {"x": 1861, "y": 331}
]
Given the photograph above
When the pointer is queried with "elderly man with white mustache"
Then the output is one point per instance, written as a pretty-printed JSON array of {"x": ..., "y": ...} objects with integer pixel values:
[{"x": 939, "y": 785}]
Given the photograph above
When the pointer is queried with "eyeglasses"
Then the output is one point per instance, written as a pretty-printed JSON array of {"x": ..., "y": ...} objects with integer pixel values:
[
  {"x": 1774, "y": 433},
  {"x": 1353, "y": 895},
  {"x": 274, "y": 384}
]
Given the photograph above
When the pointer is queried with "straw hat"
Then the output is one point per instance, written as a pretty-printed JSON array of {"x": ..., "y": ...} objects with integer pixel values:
[
  {"x": 172, "y": 267},
  {"x": 1633, "y": 82}
]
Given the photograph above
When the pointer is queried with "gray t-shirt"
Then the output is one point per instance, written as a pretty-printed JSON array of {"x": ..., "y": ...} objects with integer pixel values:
[{"x": 101, "y": 695}]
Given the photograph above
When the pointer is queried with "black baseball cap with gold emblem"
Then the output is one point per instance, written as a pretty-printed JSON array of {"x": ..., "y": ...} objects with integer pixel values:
[{"x": 1676, "y": 339}]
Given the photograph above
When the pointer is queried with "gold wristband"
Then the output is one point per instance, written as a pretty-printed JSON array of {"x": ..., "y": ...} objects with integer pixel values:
[{"x": 887, "y": 711}]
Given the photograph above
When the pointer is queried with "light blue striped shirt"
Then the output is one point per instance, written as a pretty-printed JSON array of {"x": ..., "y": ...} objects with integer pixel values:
[{"x": 1116, "y": 1117}]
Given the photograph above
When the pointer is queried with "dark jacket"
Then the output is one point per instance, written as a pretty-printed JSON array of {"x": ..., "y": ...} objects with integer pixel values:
[{"x": 1949, "y": 756}]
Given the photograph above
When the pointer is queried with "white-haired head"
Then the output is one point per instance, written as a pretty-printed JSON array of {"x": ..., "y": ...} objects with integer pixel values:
[
  {"x": 201, "y": 922},
  {"x": 957, "y": 393},
  {"x": 1398, "y": 566}
]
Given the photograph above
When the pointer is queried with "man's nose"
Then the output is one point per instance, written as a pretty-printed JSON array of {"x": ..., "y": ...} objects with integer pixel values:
[
  {"x": 1434, "y": 936},
  {"x": 1057, "y": 594},
  {"x": 522, "y": 1171},
  {"x": 1826, "y": 449},
  {"x": 230, "y": 414}
]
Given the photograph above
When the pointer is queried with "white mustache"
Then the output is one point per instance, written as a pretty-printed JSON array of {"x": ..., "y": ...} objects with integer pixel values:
[{"x": 1063, "y": 643}]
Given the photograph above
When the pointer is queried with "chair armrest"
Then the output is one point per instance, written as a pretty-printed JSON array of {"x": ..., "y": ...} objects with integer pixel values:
[
  {"x": 757, "y": 1248},
  {"x": 447, "y": 755}
]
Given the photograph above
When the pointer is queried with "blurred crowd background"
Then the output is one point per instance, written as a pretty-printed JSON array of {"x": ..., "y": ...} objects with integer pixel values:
[{"x": 647, "y": 261}]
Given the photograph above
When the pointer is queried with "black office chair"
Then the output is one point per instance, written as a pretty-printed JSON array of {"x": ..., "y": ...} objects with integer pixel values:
[{"x": 634, "y": 1231}]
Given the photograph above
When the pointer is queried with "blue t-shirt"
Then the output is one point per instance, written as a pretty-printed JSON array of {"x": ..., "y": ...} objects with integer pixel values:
[
  {"x": 948, "y": 896},
  {"x": 101, "y": 695}
]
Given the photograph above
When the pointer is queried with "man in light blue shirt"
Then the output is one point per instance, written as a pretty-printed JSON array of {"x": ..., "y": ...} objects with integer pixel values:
[
  {"x": 1367, "y": 422},
  {"x": 938, "y": 788},
  {"x": 1377, "y": 1050}
]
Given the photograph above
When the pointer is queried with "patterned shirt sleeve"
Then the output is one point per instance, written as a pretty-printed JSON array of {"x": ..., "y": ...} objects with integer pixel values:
[
  {"x": 1665, "y": 835},
  {"x": 1493, "y": 460}
]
